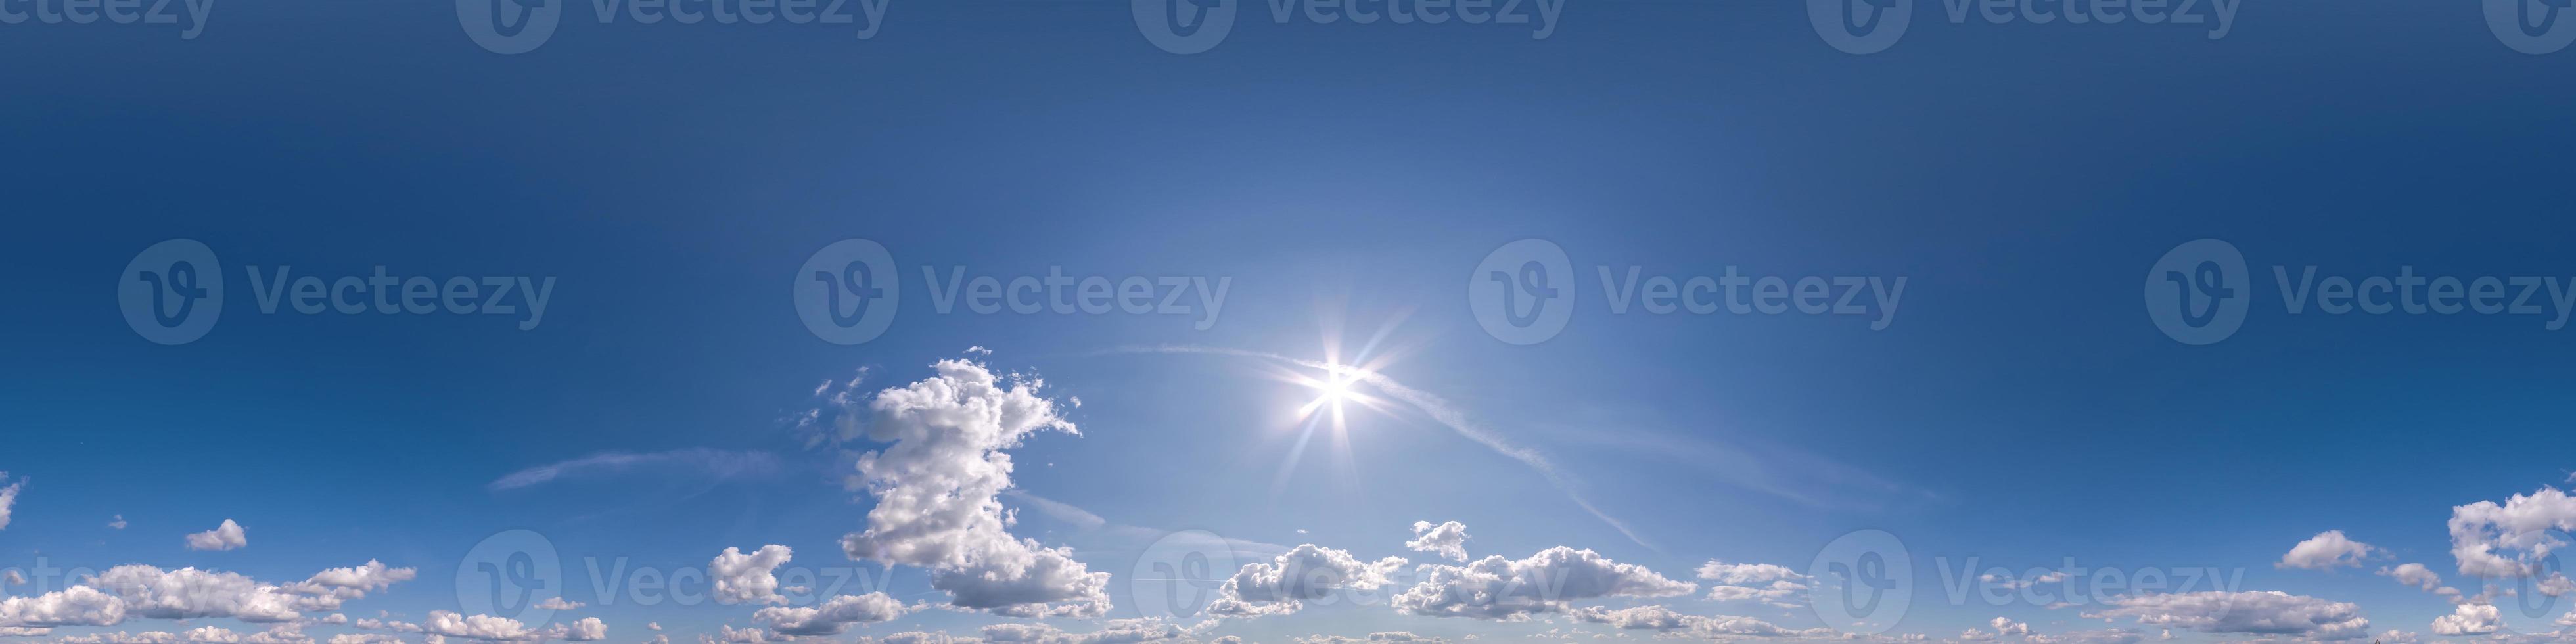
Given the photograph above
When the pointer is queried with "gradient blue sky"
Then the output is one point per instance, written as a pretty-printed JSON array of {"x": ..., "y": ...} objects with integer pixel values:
[{"x": 2021, "y": 408}]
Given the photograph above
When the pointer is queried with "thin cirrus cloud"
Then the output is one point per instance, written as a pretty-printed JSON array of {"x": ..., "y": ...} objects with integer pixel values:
[{"x": 714, "y": 464}]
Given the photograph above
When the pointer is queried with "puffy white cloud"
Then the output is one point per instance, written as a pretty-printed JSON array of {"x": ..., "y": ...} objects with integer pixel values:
[
  {"x": 2509, "y": 540},
  {"x": 1281, "y": 585},
  {"x": 189, "y": 593},
  {"x": 1746, "y": 573},
  {"x": 8, "y": 498},
  {"x": 2005, "y": 626},
  {"x": 1498, "y": 588},
  {"x": 23, "y": 631},
  {"x": 831, "y": 617},
  {"x": 2413, "y": 574},
  {"x": 1720, "y": 627},
  {"x": 2469, "y": 619},
  {"x": 936, "y": 487},
  {"x": 2264, "y": 613},
  {"x": 117, "y": 523},
  {"x": 2327, "y": 550},
  {"x": 653, "y": 625},
  {"x": 228, "y": 536},
  {"x": 559, "y": 603},
  {"x": 74, "y": 606},
  {"x": 478, "y": 627},
  {"x": 743, "y": 578},
  {"x": 1449, "y": 539},
  {"x": 11, "y": 577},
  {"x": 1782, "y": 593},
  {"x": 352, "y": 583},
  {"x": 587, "y": 629},
  {"x": 1115, "y": 631},
  {"x": 1381, "y": 636},
  {"x": 363, "y": 638}
]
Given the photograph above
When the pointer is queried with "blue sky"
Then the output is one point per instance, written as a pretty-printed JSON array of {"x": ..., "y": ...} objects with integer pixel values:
[{"x": 1339, "y": 182}]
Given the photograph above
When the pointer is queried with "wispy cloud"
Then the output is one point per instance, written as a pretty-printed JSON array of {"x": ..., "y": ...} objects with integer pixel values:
[{"x": 709, "y": 463}]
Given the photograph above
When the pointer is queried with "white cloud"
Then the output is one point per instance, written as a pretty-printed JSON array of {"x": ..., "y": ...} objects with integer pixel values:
[
  {"x": 1720, "y": 627},
  {"x": 2509, "y": 540},
  {"x": 831, "y": 617},
  {"x": 559, "y": 603},
  {"x": 11, "y": 577},
  {"x": 1373, "y": 638},
  {"x": 1745, "y": 573},
  {"x": 653, "y": 625},
  {"x": 2005, "y": 626},
  {"x": 937, "y": 485},
  {"x": 8, "y": 498},
  {"x": 1281, "y": 585},
  {"x": 2413, "y": 574},
  {"x": 2327, "y": 550},
  {"x": 743, "y": 578},
  {"x": 2263, "y": 613},
  {"x": 1115, "y": 631},
  {"x": 2469, "y": 619},
  {"x": 117, "y": 524},
  {"x": 587, "y": 629},
  {"x": 22, "y": 631},
  {"x": 189, "y": 593},
  {"x": 363, "y": 638},
  {"x": 354, "y": 583},
  {"x": 1449, "y": 539},
  {"x": 1782, "y": 593},
  {"x": 730, "y": 635},
  {"x": 478, "y": 627},
  {"x": 228, "y": 536},
  {"x": 1498, "y": 588},
  {"x": 74, "y": 606}
]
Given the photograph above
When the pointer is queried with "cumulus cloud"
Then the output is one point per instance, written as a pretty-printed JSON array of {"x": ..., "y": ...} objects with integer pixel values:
[
  {"x": 228, "y": 536},
  {"x": 2510, "y": 539},
  {"x": 1281, "y": 585},
  {"x": 1720, "y": 627},
  {"x": 354, "y": 582},
  {"x": 559, "y": 603},
  {"x": 74, "y": 606},
  {"x": 2261, "y": 613},
  {"x": 2327, "y": 550},
  {"x": 1449, "y": 539},
  {"x": 2469, "y": 619},
  {"x": 1373, "y": 638},
  {"x": 189, "y": 593},
  {"x": 587, "y": 629},
  {"x": 117, "y": 523},
  {"x": 2005, "y": 626},
  {"x": 478, "y": 627},
  {"x": 1115, "y": 631},
  {"x": 11, "y": 577},
  {"x": 936, "y": 487},
  {"x": 8, "y": 498},
  {"x": 1746, "y": 573},
  {"x": 1771, "y": 584},
  {"x": 2413, "y": 574},
  {"x": 831, "y": 617},
  {"x": 741, "y": 578},
  {"x": 1505, "y": 589}
]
